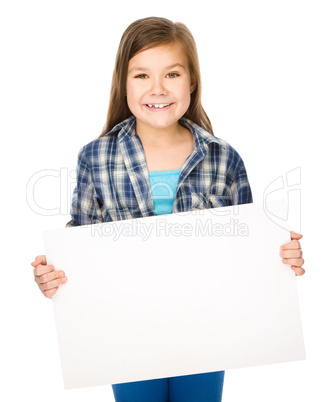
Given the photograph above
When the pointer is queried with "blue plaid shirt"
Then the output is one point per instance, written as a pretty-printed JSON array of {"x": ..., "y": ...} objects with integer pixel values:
[{"x": 113, "y": 181}]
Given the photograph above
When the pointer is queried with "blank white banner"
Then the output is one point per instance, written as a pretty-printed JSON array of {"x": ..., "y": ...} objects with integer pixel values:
[{"x": 175, "y": 294}]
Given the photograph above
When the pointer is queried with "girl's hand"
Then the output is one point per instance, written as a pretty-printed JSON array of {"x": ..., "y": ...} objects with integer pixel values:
[
  {"x": 292, "y": 254},
  {"x": 46, "y": 277}
]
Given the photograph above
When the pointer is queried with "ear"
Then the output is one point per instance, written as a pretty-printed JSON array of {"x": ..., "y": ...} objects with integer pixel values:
[{"x": 193, "y": 83}]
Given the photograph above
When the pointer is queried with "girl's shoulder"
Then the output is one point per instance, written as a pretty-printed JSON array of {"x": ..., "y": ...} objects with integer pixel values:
[
  {"x": 217, "y": 147},
  {"x": 97, "y": 150}
]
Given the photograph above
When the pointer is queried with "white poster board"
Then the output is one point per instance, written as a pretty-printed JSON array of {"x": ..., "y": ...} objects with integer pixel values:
[{"x": 176, "y": 294}]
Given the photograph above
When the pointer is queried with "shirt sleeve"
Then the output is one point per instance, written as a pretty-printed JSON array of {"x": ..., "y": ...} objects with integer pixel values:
[
  {"x": 240, "y": 188},
  {"x": 85, "y": 209}
]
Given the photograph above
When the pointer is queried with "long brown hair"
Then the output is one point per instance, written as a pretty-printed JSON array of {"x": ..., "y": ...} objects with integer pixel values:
[{"x": 144, "y": 34}]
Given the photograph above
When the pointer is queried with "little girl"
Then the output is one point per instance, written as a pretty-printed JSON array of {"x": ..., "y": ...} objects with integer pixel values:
[{"x": 157, "y": 155}]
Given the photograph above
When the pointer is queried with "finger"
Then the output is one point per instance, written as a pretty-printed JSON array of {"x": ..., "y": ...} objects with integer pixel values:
[
  {"x": 51, "y": 276},
  {"x": 50, "y": 293},
  {"x": 43, "y": 269},
  {"x": 294, "y": 244},
  {"x": 298, "y": 270},
  {"x": 42, "y": 284},
  {"x": 298, "y": 262},
  {"x": 295, "y": 235},
  {"x": 52, "y": 284},
  {"x": 40, "y": 259},
  {"x": 296, "y": 253}
]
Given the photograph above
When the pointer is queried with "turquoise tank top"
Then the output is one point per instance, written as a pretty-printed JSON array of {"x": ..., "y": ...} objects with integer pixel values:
[{"x": 163, "y": 184}]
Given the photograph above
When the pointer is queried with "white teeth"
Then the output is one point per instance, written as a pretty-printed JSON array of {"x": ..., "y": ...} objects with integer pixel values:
[{"x": 157, "y": 105}]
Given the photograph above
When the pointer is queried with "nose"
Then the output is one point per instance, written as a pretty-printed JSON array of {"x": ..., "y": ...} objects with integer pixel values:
[{"x": 158, "y": 88}]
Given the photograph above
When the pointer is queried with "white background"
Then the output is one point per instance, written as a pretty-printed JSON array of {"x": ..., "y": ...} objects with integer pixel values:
[{"x": 263, "y": 68}]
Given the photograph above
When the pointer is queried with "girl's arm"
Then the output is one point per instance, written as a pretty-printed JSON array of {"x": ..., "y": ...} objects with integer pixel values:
[{"x": 84, "y": 209}]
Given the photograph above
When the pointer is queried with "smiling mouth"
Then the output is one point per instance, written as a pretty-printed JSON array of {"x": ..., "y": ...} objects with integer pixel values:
[{"x": 158, "y": 105}]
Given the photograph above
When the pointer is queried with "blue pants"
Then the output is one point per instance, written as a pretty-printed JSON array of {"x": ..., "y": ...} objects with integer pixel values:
[{"x": 206, "y": 387}]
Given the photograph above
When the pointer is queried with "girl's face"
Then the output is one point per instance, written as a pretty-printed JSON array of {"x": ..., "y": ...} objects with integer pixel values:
[{"x": 159, "y": 76}]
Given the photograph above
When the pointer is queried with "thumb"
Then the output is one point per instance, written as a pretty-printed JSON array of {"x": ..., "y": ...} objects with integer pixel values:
[
  {"x": 40, "y": 259},
  {"x": 295, "y": 236}
]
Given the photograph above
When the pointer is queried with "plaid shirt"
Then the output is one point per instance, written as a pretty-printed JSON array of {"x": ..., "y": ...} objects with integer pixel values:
[{"x": 113, "y": 182}]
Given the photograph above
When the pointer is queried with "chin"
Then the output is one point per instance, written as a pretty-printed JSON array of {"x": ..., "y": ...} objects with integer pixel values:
[{"x": 161, "y": 125}]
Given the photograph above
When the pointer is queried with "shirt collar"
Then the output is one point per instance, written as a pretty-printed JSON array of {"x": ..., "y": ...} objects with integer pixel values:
[{"x": 202, "y": 137}]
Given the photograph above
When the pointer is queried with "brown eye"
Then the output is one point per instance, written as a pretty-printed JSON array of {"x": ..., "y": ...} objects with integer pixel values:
[
  {"x": 141, "y": 76},
  {"x": 172, "y": 74}
]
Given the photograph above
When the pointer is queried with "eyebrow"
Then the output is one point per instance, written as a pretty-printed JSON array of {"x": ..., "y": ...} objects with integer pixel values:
[{"x": 146, "y": 69}]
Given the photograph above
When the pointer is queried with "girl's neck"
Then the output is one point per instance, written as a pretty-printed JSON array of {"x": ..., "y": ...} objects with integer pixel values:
[{"x": 160, "y": 137}]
